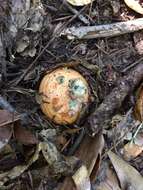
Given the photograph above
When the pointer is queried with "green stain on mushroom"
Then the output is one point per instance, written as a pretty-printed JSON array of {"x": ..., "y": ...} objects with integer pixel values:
[
  {"x": 60, "y": 79},
  {"x": 73, "y": 105},
  {"x": 77, "y": 87}
]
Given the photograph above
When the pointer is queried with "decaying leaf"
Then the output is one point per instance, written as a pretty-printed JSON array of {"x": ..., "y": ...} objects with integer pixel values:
[
  {"x": 18, "y": 170},
  {"x": 5, "y": 135},
  {"x": 132, "y": 150},
  {"x": 127, "y": 174},
  {"x": 6, "y": 117},
  {"x": 20, "y": 17},
  {"x": 90, "y": 151},
  {"x": 139, "y": 104},
  {"x": 135, "y": 5},
  {"x": 50, "y": 153},
  {"x": 81, "y": 179},
  {"x": 90, "y": 154},
  {"x": 110, "y": 182},
  {"x": 135, "y": 147},
  {"x": 48, "y": 134},
  {"x": 24, "y": 136},
  {"x": 79, "y": 2}
]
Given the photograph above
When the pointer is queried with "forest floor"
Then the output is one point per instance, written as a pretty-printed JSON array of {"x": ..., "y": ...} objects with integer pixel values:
[{"x": 25, "y": 132}]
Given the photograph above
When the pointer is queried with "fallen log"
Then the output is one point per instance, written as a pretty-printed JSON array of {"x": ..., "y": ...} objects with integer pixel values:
[
  {"x": 106, "y": 30},
  {"x": 114, "y": 100}
]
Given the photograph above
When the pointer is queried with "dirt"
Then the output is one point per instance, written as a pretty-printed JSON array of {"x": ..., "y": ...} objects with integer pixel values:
[{"x": 101, "y": 61}]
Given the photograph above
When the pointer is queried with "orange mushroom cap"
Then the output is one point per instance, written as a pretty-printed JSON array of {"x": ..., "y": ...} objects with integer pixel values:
[{"x": 64, "y": 93}]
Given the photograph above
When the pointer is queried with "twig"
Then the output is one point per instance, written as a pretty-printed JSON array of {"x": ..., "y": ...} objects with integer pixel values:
[
  {"x": 107, "y": 30},
  {"x": 138, "y": 129},
  {"x": 74, "y": 11},
  {"x": 132, "y": 65},
  {"x": 114, "y": 100}
]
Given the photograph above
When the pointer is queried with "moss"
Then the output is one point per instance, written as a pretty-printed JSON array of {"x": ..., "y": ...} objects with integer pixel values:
[
  {"x": 77, "y": 87},
  {"x": 73, "y": 104}
]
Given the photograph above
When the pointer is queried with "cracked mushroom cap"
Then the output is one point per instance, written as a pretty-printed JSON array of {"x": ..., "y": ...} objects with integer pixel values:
[{"x": 64, "y": 93}]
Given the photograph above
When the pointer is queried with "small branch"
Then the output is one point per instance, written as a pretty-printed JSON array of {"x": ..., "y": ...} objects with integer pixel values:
[
  {"x": 74, "y": 11},
  {"x": 114, "y": 100},
  {"x": 107, "y": 30}
]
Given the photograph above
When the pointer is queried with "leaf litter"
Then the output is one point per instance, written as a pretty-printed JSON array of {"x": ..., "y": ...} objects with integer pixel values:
[
  {"x": 31, "y": 27},
  {"x": 128, "y": 176}
]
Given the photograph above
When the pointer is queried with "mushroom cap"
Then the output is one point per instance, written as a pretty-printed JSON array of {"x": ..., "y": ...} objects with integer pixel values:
[
  {"x": 64, "y": 93},
  {"x": 135, "y": 5}
]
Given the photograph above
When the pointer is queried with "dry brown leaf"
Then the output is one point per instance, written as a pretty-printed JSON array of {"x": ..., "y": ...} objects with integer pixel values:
[
  {"x": 81, "y": 179},
  {"x": 139, "y": 104},
  {"x": 6, "y": 117},
  {"x": 127, "y": 174},
  {"x": 5, "y": 135},
  {"x": 51, "y": 155},
  {"x": 135, "y": 5},
  {"x": 18, "y": 170},
  {"x": 110, "y": 182},
  {"x": 24, "y": 136},
  {"x": 90, "y": 153},
  {"x": 79, "y": 2},
  {"x": 132, "y": 150},
  {"x": 90, "y": 150}
]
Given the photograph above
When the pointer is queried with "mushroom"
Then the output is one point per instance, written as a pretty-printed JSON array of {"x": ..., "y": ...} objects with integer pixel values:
[
  {"x": 65, "y": 94},
  {"x": 135, "y": 5}
]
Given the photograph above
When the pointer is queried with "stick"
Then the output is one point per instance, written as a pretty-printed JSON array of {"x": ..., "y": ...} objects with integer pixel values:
[
  {"x": 80, "y": 16},
  {"x": 114, "y": 100},
  {"x": 107, "y": 30}
]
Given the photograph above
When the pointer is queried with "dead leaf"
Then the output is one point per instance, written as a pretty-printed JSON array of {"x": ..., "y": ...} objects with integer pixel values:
[
  {"x": 126, "y": 173},
  {"x": 132, "y": 150},
  {"x": 24, "y": 136},
  {"x": 51, "y": 155},
  {"x": 81, "y": 179},
  {"x": 6, "y": 117},
  {"x": 110, "y": 182},
  {"x": 54, "y": 158},
  {"x": 89, "y": 153},
  {"x": 90, "y": 150},
  {"x": 5, "y": 135},
  {"x": 79, "y": 2},
  {"x": 135, "y": 5},
  {"x": 18, "y": 170}
]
